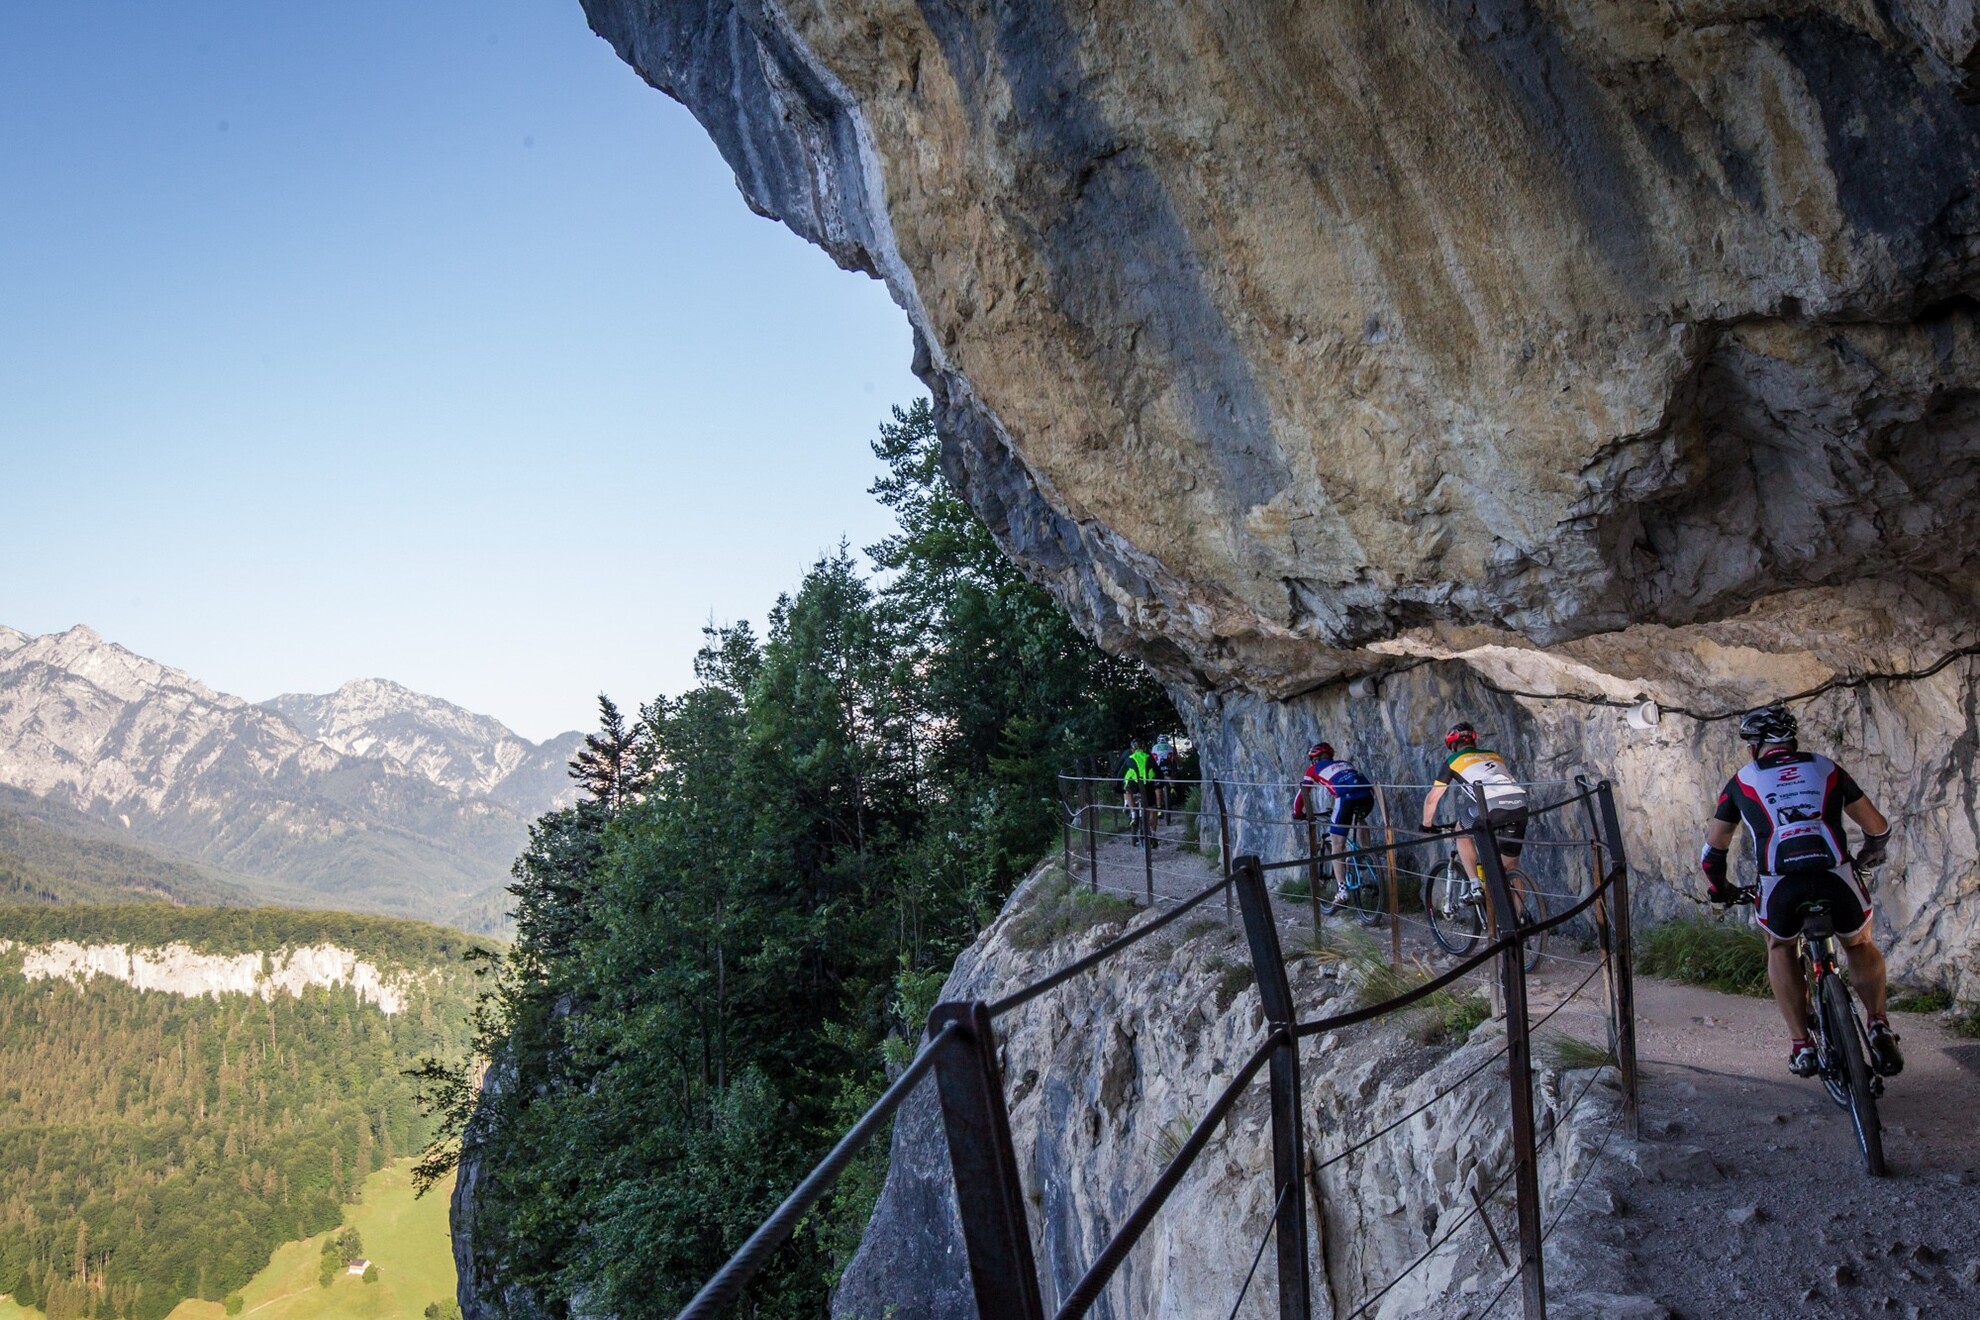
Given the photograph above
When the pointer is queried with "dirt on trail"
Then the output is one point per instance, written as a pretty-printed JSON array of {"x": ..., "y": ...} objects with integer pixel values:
[{"x": 1747, "y": 1196}]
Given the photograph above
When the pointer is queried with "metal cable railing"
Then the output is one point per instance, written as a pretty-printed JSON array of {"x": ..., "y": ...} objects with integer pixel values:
[
  {"x": 1088, "y": 1289},
  {"x": 722, "y": 1291},
  {"x": 1477, "y": 1209},
  {"x": 962, "y": 1054},
  {"x": 1099, "y": 955}
]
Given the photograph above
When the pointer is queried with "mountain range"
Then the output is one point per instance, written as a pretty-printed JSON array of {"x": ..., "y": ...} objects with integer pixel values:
[{"x": 372, "y": 798}]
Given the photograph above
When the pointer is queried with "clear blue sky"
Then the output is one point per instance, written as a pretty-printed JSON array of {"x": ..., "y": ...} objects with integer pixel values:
[{"x": 418, "y": 340}]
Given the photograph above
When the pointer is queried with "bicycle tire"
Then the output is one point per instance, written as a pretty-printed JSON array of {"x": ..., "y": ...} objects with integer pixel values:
[
  {"x": 1530, "y": 908},
  {"x": 1365, "y": 891},
  {"x": 1839, "y": 1018},
  {"x": 1456, "y": 926}
]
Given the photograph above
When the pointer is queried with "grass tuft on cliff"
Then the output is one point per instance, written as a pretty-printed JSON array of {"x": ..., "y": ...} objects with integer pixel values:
[
  {"x": 1446, "y": 1016},
  {"x": 1702, "y": 951},
  {"x": 1059, "y": 909}
]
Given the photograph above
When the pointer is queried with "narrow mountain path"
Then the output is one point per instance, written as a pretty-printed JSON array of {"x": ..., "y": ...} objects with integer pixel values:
[{"x": 1747, "y": 1196}]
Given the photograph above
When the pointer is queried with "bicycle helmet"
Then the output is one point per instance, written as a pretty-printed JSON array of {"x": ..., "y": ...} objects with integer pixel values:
[
  {"x": 1769, "y": 724},
  {"x": 1320, "y": 751},
  {"x": 1462, "y": 734}
]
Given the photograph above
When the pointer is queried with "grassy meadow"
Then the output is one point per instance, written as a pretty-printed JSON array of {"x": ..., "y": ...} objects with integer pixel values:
[{"x": 405, "y": 1238}]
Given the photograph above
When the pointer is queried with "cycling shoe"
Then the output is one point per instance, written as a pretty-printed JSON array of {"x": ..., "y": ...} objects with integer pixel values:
[{"x": 1885, "y": 1056}]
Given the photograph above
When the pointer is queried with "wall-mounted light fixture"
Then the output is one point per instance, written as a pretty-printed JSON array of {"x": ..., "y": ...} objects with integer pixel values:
[
  {"x": 1643, "y": 715},
  {"x": 1363, "y": 688}
]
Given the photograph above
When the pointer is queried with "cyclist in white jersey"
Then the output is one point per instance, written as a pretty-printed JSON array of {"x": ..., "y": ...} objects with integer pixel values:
[
  {"x": 1474, "y": 768},
  {"x": 1793, "y": 802}
]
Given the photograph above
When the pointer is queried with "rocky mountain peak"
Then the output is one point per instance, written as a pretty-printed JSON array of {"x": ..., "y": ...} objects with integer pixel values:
[
  {"x": 451, "y": 746},
  {"x": 375, "y": 797},
  {"x": 124, "y": 674}
]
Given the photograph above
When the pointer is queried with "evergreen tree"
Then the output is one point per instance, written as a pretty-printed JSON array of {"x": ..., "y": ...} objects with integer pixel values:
[
  {"x": 608, "y": 764},
  {"x": 768, "y": 878}
]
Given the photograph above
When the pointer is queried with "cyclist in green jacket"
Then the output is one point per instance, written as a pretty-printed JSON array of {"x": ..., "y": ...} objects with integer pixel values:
[{"x": 1137, "y": 785}]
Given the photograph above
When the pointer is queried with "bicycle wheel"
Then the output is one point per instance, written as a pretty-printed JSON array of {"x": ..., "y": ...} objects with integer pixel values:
[
  {"x": 1365, "y": 891},
  {"x": 1451, "y": 905},
  {"x": 1529, "y": 908},
  {"x": 1843, "y": 1035}
]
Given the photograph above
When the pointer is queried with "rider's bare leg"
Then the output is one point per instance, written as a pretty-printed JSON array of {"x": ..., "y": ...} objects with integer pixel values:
[
  {"x": 1790, "y": 991},
  {"x": 1866, "y": 970},
  {"x": 1339, "y": 846},
  {"x": 1469, "y": 852}
]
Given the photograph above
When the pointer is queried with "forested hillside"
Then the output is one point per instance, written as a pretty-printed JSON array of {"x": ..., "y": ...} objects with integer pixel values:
[
  {"x": 155, "y": 1146},
  {"x": 772, "y": 875},
  {"x": 49, "y": 854}
]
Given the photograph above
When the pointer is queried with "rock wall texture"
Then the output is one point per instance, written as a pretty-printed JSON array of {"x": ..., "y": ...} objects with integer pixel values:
[
  {"x": 1106, "y": 1077},
  {"x": 1910, "y": 743},
  {"x": 1271, "y": 332},
  {"x": 1594, "y": 349}
]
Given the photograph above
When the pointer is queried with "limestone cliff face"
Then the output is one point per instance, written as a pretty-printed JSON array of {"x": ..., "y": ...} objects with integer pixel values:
[
  {"x": 1604, "y": 349},
  {"x": 179, "y": 969},
  {"x": 1271, "y": 332},
  {"x": 1106, "y": 1077}
]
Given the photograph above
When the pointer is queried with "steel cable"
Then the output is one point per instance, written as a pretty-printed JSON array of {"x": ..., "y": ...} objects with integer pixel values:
[
  {"x": 1088, "y": 1289},
  {"x": 734, "y": 1276},
  {"x": 1100, "y": 955},
  {"x": 1384, "y": 1131},
  {"x": 1483, "y": 1200},
  {"x": 1271, "y": 1222}
]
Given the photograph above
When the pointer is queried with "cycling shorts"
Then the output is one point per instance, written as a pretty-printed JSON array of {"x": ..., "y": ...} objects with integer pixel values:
[
  {"x": 1782, "y": 897},
  {"x": 1348, "y": 812},
  {"x": 1507, "y": 823}
]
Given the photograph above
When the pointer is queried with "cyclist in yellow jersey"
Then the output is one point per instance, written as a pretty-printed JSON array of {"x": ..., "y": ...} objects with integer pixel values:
[{"x": 1477, "y": 768}]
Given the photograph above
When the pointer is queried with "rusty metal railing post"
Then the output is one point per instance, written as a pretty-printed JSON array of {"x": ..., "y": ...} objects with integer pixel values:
[
  {"x": 1065, "y": 829},
  {"x": 1224, "y": 846},
  {"x": 1313, "y": 868},
  {"x": 1625, "y": 959},
  {"x": 1519, "y": 1069},
  {"x": 1389, "y": 872},
  {"x": 1288, "y": 1141},
  {"x": 989, "y": 1194},
  {"x": 1092, "y": 835},
  {"x": 1605, "y": 930}
]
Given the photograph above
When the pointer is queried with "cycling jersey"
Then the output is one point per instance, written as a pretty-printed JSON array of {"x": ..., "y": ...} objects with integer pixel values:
[
  {"x": 1480, "y": 768},
  {"x": 1139, "y": 769},
  {"x": 1341, "y": 780},
  {"x": 1792, "y": 803}
]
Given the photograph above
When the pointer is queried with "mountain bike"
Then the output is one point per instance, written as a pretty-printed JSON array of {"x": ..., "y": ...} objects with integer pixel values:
[
  {"x": 1454, "y": 902},
  {"x": 1361, "y": 893},
  {"x": 1139, "y": 805},
  {"x": 1842, "y": 1042}
]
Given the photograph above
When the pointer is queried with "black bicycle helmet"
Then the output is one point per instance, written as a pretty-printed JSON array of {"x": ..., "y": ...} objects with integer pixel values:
[
  {"x": 1462, "y": 734},
  {"x": 1769, "y": 724}
]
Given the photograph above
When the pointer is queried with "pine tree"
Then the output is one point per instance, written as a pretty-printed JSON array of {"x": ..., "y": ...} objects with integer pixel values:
[{"x": 609, "y": 764}]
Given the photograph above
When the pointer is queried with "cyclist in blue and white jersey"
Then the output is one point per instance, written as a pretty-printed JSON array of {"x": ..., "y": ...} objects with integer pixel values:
[{"x": 1351, "y": 800}]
